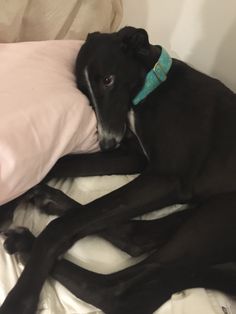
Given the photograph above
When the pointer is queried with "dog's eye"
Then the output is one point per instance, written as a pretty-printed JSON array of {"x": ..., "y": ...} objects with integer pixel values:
[{"x": 108, "y": 80}]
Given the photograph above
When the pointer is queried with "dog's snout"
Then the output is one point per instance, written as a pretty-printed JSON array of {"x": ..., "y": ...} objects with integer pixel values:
[{"x": 108, "y": 144}]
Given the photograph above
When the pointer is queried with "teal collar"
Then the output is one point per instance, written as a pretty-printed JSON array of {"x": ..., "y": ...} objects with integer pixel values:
[{"x": 155, "y": 77}]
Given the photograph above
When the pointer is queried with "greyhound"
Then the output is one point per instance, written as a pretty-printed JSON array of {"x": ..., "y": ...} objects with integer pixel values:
[{"x": 177, "y": 126}]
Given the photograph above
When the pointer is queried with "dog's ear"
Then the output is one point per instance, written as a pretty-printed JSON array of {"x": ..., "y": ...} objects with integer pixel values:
[
  {"x": 92, "y": 35},
  {"x": 134, "y": 40}
]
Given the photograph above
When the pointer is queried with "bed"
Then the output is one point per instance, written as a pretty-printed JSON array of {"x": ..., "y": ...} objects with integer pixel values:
[{"x": 44, "y": 20}]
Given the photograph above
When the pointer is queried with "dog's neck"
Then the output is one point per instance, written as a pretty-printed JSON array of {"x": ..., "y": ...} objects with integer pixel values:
[
  {"x": 150, "y": 61},
  {"x": 160, "y": 63}
]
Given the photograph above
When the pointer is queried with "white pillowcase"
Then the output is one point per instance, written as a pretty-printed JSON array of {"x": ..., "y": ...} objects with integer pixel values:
[{"x": 43, "y": 116}]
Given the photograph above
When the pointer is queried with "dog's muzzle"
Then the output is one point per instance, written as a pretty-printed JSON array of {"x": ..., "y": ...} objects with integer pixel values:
[{"x": 107, "y": 144}]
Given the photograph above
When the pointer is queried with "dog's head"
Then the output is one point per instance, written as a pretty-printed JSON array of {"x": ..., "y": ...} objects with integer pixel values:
[{"x": 110, "y": 70}]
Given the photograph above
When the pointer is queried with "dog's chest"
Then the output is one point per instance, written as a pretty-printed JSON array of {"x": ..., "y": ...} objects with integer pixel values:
[
  {"x": 132, "y": 126},
  {"x": 164, "y": 138}
]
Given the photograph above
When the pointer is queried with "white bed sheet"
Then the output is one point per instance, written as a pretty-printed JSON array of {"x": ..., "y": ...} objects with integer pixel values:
[{"x": 97, "y": 255}]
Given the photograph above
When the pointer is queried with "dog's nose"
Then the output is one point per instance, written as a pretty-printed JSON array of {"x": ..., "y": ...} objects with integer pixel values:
[{"x": 108, "y": 144}]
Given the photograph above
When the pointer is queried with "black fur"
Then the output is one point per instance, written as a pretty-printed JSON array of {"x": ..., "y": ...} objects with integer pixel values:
[{"x": 187, "y": 132}]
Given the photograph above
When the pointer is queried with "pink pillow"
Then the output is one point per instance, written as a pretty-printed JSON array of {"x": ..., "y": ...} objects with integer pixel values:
[{"x": 43, "y": 116}]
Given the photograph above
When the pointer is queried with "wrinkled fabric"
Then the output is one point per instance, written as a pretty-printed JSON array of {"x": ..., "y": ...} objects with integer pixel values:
[
  {"x": 43, "y": 116},
  {"x": 28, "y": 20}
]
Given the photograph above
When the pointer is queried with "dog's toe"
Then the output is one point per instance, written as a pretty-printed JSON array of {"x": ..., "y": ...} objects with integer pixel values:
[
  {"x": 18, "y": 240},
  {"x": 49, "y": 200}
]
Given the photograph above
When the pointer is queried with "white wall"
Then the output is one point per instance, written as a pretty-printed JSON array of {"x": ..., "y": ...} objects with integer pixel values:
[{"x": 200, "y": 32}]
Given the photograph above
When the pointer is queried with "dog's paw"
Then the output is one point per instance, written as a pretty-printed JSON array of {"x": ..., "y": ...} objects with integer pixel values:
[
  {"x": 50, "y": 200},
  {"x": 18, "y": 240}
]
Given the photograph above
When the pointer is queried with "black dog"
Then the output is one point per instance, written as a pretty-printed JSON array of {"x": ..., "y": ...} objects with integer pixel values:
[{"x": 187, "y": 146}]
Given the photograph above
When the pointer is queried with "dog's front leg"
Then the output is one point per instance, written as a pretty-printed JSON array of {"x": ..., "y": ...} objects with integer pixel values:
[
  {"x": 146, "y": 193},
  {"x": 85, "y": 165},
  {"x": 127, "y": 159}
]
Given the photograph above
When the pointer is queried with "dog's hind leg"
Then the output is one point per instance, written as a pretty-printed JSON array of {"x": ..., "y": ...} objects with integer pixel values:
[
  {"x": 83, "y": 283},
  {"x": 137, "y": 237},
  {"x": 133, "y": 237},
  {"x": 205, "y": 239},
  {"x": 187, "y": 260},
  {"x": 78, "y": 280},
  {"x": 61, "y": 233}
]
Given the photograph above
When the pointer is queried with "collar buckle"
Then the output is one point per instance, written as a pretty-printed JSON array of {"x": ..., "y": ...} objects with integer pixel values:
[{"x": 159, "y": 72}]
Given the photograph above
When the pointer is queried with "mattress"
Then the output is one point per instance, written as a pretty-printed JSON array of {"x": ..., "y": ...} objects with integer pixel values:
[{"x": 98, "y": 255}]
